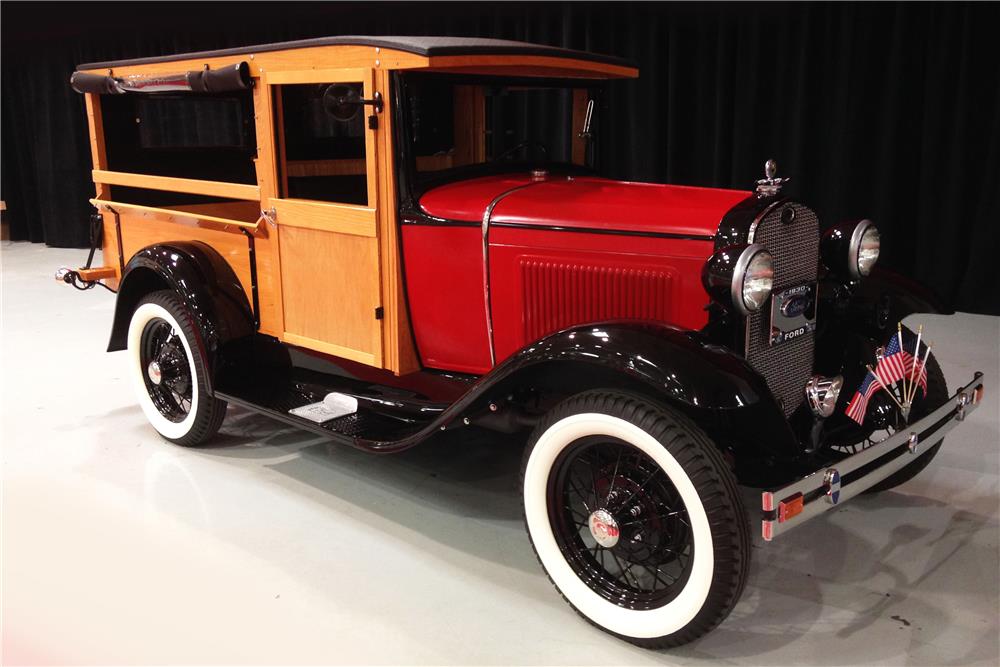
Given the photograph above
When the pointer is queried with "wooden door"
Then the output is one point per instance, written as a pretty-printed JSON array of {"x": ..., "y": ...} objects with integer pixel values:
[{"x": 326, "y": 215}]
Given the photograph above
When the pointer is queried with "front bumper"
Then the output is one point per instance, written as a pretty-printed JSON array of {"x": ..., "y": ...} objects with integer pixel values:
[{"x": 789, "y": 506}]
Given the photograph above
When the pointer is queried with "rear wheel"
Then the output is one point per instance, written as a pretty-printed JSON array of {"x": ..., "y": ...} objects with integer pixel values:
[
  {"x": 169, "y": 372},
  {"x": 636, "y": 518}
]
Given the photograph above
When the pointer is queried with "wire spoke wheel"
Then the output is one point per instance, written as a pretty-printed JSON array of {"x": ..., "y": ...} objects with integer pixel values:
[
  {"x": 170, "y": 371},
  {"x": 620, "y": 523},
  {"x": 168, "y": 376},
  {"x": 636, "y": 517}
]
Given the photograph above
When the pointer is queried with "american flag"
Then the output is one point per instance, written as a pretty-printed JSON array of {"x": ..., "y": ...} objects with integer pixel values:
[
  {"x": 858, "y": 406},
  {"x": 896, "y": 364}
]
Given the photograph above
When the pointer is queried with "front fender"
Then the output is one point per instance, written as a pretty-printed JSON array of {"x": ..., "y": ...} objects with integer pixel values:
[
  {"x": 716, "y": 388},
  {"x": 201, "y": 277},
  {"x": 885, "y": 298}
]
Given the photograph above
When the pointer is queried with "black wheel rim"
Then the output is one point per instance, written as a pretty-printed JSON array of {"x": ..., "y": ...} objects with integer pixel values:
[
  {"x": 650, "y": 563},
  {"x": 161, "y": 345}
]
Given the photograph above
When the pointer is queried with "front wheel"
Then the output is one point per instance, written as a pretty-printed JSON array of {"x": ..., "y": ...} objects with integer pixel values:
[
  {"x": 636, "y": 518},
  {"x": 169, "y": 371}
]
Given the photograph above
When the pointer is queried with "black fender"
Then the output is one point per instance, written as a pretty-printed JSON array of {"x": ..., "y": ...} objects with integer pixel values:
[
  {"x": 717, "y": 389},
  {"x": 202, "y": 278},
  {"x": 885, "y": 298}
]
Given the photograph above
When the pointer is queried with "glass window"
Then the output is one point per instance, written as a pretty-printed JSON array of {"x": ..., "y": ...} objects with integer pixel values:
[
  {"x": 323, "y": 152},
  {"x": 205, "y": 137}
]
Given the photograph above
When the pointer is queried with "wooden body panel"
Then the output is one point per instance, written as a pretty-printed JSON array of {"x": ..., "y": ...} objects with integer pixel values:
[
  {"x": 325, "y": 216},
  {"x": 171, "y": 184},
  {"x": 331, "y": 292},
  {"x": 470, "y": 125},
  {"x": 399, "y": 350},
  {"x": 142, "y": 226},
  {"x": 269, "y": 286},
  {"x": 98, "y": 154},
  {"x": 243, "y": 211},
  {"x": 141, "y": 229}
]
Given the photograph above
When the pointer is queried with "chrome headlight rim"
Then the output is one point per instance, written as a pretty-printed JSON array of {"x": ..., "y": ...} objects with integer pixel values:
[
  {"x": 854, "y": 249},
  {"x": 740, "y": 274}
]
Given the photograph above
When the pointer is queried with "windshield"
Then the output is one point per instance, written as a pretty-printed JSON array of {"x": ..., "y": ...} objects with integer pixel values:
[{"x": 457, "y": 127}]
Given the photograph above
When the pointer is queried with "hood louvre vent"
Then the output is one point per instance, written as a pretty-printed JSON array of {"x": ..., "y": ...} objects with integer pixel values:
[{"x": 558, "y": 295}]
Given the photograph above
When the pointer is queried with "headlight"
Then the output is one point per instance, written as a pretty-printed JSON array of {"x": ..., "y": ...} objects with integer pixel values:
[
  {"x": 741, "y": 276},
  {"x": 754, "y": 278},
  {"x": 851, "y": 249},
  {"x": 864, "y": 248}
]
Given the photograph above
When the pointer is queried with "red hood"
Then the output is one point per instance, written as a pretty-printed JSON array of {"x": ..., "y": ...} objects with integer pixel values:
[{"x": 585, "y": 203}]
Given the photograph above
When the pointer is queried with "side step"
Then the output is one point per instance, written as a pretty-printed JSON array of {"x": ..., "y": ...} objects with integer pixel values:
[
  {"x": 363, "y": 424},
  {"x": 301, "y": 400}
]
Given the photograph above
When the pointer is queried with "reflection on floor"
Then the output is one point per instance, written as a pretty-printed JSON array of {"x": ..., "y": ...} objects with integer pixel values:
[{"x": 273, "y": 547}]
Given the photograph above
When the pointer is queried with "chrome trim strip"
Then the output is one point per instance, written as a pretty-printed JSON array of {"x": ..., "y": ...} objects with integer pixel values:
[
  {"x": 739, "y": 277},
  {"x": 612, "y": 232},
  {"x": 760, "y": 216},
  {"x": 750, "y": 234},
  {"x": 487, "y": 214},
  {"x": 929, "y": 431},
  {"x": 854, "y": 247}
]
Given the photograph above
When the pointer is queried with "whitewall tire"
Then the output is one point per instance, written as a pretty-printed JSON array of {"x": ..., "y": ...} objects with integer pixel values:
[
  {"x": 169, "y": 371},
  {"x": 635, "y": 517}
]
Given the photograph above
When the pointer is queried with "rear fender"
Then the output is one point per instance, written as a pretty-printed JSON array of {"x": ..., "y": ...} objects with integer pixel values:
[{"x": 202, "y": 278}]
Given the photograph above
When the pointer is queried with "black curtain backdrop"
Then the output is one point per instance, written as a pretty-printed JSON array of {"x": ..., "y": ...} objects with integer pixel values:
[{"x": 887, "y": 111}]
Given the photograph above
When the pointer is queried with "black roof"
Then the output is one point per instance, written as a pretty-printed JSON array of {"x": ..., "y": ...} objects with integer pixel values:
[{"x": 422, "y": 46}]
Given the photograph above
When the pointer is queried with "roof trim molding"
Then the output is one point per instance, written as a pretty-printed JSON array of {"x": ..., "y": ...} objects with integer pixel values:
[{"x": 421, "y": 46}]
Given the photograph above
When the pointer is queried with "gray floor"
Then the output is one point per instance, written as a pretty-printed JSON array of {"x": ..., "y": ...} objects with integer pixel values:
[{"x": 273, "y": 547}]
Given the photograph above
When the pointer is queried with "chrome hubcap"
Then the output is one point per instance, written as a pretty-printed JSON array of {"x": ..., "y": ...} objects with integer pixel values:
[
  {"x": 154, "y": 373},
  {"x": 604, "y": 528}
]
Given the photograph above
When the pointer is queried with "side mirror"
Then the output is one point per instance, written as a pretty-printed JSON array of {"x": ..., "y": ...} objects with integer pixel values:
[{"x": 344, "y": 102}]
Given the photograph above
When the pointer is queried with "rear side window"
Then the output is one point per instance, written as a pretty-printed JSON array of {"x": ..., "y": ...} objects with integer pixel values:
[
  {"x": 192, "y": 123},
  {"x": 205, "y": 137}
]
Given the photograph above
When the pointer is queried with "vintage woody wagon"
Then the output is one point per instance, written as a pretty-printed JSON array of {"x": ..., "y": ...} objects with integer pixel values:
[{"x": 379, "y": 238}]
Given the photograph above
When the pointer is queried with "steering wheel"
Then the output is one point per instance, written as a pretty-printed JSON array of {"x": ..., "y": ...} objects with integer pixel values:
[{"x": 524, "y": 144}]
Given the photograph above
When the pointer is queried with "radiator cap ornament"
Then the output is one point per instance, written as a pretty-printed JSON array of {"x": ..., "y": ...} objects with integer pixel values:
[{"x": 770, "y": 185}]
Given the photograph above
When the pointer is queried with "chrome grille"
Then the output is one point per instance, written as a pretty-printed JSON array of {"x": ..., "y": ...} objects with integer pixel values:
[{"x": 795, "y": 249}]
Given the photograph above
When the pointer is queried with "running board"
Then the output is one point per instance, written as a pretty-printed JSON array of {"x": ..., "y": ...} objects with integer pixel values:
[
  {"x": 349, "y": 429},
  {"x": 344, "y": 409}
]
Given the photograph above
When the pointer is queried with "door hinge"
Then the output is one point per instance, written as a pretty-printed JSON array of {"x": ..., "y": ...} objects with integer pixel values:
[
  {"x": 373, "y": 122},
  {"x": 379, "y": 313}
]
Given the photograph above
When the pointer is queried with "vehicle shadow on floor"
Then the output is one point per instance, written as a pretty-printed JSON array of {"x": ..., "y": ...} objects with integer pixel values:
[{"x": 820, "y": 582}]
